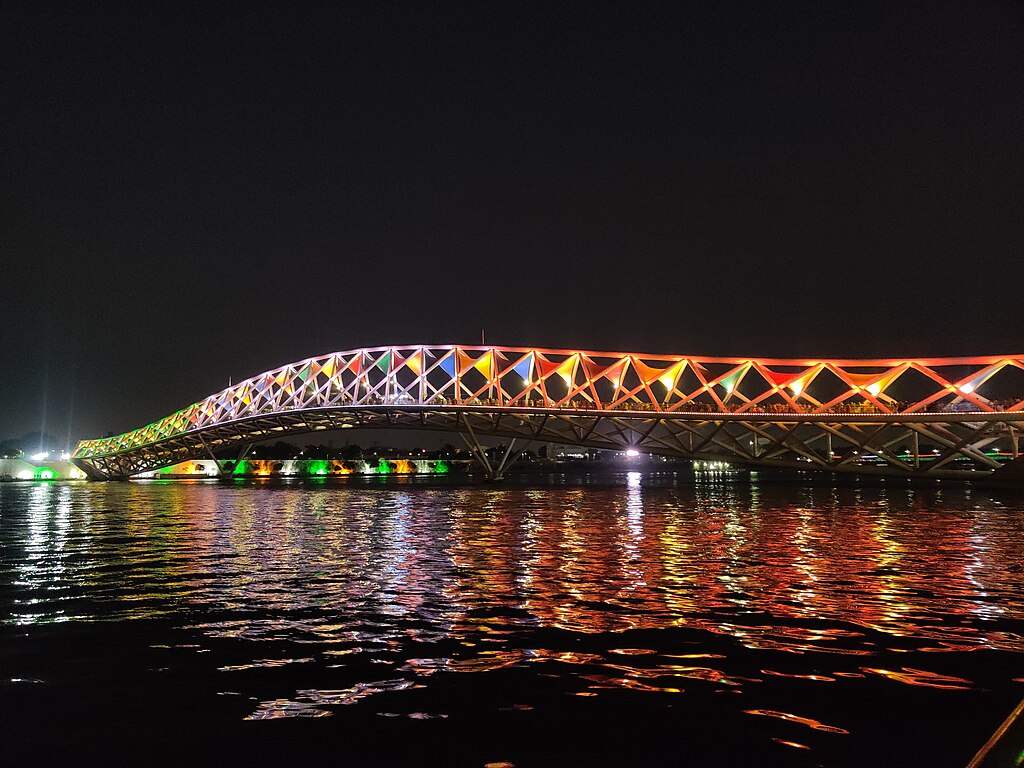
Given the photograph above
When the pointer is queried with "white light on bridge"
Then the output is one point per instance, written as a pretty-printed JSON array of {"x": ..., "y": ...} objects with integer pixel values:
[{"x": 366, "y": 378}]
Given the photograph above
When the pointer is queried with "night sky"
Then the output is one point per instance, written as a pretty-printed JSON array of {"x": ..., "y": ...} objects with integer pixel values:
[{"x": 188, "y": 195}]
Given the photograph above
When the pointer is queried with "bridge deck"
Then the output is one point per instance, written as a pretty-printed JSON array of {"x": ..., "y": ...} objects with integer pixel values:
[{"x": 950, "y": 416}]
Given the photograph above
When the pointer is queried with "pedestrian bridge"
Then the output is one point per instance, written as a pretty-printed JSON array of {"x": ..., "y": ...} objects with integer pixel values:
[{"x": 939, "y": 417}]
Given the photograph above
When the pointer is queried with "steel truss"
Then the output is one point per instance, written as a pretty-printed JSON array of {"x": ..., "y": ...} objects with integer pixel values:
[{"x": 941, "y": 417}]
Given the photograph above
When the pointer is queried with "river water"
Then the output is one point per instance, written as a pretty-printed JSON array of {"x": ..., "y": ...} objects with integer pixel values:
[{"x": 632, "y": 620}]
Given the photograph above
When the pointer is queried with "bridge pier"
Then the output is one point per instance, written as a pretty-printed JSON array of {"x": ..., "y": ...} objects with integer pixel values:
[
  {"x": 506, "y": 460},
  {"x": 495, "y": 472},
  {"x": 223, "y": 472}
]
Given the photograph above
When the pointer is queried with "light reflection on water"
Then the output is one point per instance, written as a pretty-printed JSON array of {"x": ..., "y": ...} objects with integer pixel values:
[{"x": 710, "y": 588}]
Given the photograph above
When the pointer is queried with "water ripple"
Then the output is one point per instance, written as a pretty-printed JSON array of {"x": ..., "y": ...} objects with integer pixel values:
[{"x": 656, "y": 593}]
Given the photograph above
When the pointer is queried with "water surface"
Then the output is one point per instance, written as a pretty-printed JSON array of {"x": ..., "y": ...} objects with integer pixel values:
[{"x": 629, "y": 621}]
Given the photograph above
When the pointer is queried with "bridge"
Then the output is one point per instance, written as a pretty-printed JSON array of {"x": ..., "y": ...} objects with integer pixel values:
[{"x": 939, "y": 417}]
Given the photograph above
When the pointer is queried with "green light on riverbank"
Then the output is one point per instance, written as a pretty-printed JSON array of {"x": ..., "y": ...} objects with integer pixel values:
[
  {"x": 335, "y": 468},
  {"x": 46, "y": 474}
]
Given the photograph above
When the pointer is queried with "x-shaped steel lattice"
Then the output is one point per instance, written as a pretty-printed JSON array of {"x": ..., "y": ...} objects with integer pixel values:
[{"x": 902, "y": 415}]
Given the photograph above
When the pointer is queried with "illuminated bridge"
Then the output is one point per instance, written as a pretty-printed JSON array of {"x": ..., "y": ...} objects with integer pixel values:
[{"x": 946, "y": 417}]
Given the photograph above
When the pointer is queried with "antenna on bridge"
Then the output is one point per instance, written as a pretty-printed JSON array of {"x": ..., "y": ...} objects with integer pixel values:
[{"x": 482, "y": 342}]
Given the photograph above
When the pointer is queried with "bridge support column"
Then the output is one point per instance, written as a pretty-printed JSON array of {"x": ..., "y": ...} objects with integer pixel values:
[
  {"x": 209, "y": 452},
  {"x": 222, "y": 471},
  {"x": 225, "y": 474},
  {"x": 495, "y": 473},
  {"x": 506, "y": 460}
]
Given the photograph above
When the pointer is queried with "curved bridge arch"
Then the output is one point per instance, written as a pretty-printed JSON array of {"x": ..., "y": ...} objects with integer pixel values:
[{"x": 938, "y": 417}]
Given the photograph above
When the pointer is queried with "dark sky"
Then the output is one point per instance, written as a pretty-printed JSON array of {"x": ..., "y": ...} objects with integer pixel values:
[{"x": 188, "y": 195}]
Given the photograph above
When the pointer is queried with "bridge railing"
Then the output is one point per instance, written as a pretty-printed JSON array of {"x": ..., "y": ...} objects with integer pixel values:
[{"x": 531, "y": 378}]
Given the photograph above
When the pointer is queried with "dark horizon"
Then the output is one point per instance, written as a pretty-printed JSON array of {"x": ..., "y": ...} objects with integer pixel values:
[{"x": 196, "y": 197}]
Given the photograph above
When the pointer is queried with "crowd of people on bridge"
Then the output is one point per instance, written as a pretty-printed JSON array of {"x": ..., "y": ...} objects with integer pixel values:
[{"x": 693, "y": 406}]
